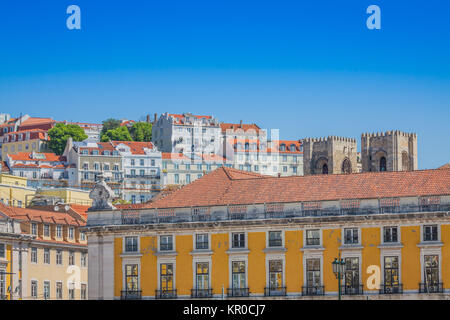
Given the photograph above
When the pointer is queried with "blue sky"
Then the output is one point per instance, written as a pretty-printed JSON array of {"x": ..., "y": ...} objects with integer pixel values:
[{"x": 309, "y": 68}]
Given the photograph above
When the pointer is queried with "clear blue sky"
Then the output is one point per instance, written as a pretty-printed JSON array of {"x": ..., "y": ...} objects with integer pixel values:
[{"x": 309, "y": 68}]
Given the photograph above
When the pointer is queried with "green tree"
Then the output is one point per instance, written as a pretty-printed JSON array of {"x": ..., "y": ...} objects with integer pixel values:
[
  {"x": 109, "y": 124},
  {"x": 117, "y": 134},
  {"x": 61, "y": 132},
  {"x": 141, "y": 131}
]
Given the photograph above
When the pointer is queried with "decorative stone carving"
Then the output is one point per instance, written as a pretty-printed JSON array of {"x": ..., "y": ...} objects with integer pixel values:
[{"x": 102, "y": 196}]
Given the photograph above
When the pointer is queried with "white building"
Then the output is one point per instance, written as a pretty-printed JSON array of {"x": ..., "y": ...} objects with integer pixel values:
[
  {"x": 187, "y": 133},
  {"x": 141, "y": 165}
]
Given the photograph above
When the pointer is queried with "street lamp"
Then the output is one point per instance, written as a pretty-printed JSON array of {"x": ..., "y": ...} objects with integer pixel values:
[{"x": 339, "y": 270}]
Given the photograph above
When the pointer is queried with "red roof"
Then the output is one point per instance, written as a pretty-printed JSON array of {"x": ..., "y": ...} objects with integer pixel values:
[
  {"x": 226, "y": 186},
  {"x": 27, "y": 156},
  {"x": 445, "y": 166},
  {"x": 174, "y": 156},
  {"x": 238, "y": 126},
  {"x": 135, "y": 146}
]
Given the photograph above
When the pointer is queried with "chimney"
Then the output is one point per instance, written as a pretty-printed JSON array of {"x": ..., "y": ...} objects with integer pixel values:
[
  {"x": 240, "y": 123},
  {"x": 148, "y": 118},
  {"x": 156, "y": 116}
]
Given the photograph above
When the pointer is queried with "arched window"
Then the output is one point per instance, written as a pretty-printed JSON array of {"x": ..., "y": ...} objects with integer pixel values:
[
  {"x": 325, "y": 169},
  {"x": 405, "y": 161},
  {"x": 283, "y": 147},
  {"x": 346, "y": 166},
  {"x": 292, "y": 147},
  {"x": 383, "y": 164}
]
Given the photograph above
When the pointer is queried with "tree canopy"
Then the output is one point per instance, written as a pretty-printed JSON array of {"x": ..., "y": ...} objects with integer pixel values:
[
  {"x": 61, "y": 132},
  {"x": 141, "y": 131},
  {"x": 117, "y": 134},
  {"x": 110, "y": 124}
]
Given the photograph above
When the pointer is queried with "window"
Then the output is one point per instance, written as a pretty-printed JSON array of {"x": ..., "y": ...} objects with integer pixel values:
[
  {"x": 256, "y": 168},
  {"x": 188, "y": 167},
  {"x": 142, "y": 198},
  {"x": 59, "y": 231},
  {"x": 71, "y": 258},
  {"x": 59, "y": 293},
  {"x": 131, "y": 244},
  {"x": 47, "y": 256},
  {"x": 46, "y": 230},
  {"x": 201, "y": 241},
  {"x": 141, "y": 162},
  {"x": 86, "y": 176},
  {"x": 202, "y": 275},
  {"x": 431, "y": 270},
  {"x": 34, "y": 175},
  {"x": 34, "y": 229},
  {"x": 199, "y": 167},
  {"x": 166, "y": 277},
  {"x": 275, "y": 239},
  {"x": 390, "y": 234},
  {"x": 131, "y": 277},
  {"x": 430, "y": 233},
  {"x": 188, "y": 178},
  {"x": 82, "y": 236},
  {"x": 294, "y": 169},
  {"x": 275, "y": 274},
  {"x": 83, "y": 292},
  {"x": 351, "y": 275},
  {"x": 284, "y": 168},
  {"x": 106, "y": 167},
  {"x": 34, "y": 289},
  {"x": 46, "y": 290},
  {"x": 177, "y": 178},
  {"x": 34, "y": 255},
  {"x": 351, "y": 236},
  {"x": 382, "y": 164},
  {"x": 166, "y": 243},
  {"x": 284, "y": 158},
  {"x": 142, "y": 173},
  {"x": 238, "y": 274},
  {"x": 95, "y": 152},
  {"x": 391, "y": 273},
  {"x": 96, "y": 166},
  {"x": 238, "y": 240},
  {"x": 58, "y": 257},
  {"x": 2, "y": 283},
  {"x": 2, "y": 250},
  {"x": 312, "y": 274},
  {"x": 72, "y": 291},
  {"x": 85, "y": 166},
  {"x": 71, "y": 231},
  {"x": 313, "y": 237},
  {"x": 176, "y": 166},
  {"x": 84, "y": 259},
  {"x": 133, "y": 199},
  {"x": 152, "y": 162}
]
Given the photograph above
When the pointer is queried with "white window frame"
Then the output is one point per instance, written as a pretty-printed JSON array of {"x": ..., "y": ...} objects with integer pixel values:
[{"x": 320, "y": 237}]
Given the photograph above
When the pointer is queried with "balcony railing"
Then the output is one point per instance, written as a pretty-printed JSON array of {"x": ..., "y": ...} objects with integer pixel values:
[
  {"x": 201, "y": 293},
  {"x": 193, "y": 214},
  {"x": 274, "y": 292},
  {"x": 238, "y": 292},
  {"x": 144, "y": 176},
  {"x": 431, "y": 288},
  {"x": 130, "y": 294},
  {"x": 313, "y": 290},
  {"x": 166, "y": 294},
  {"x": 391, "y": 288},
  {"x": 352, "y": 290}
]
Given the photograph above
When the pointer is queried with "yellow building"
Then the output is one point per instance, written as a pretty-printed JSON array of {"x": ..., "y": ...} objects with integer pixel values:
[
  {"x": 238, "y": 234},
  {"x": 14, "y": 190},
  {"x": 68, "y": 195},
  {"x": 43, "y": 254}
]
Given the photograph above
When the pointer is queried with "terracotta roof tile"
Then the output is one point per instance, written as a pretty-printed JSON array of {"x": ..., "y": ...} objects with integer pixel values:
[{"x": 230, "y": 186}]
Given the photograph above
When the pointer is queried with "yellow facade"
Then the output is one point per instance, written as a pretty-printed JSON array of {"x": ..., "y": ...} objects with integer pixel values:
[
  {"x": 68, "y": 195},
  {"x": 14, "y": 190},
  {"x": 294, "y": 252},
  {"x": 35, "y": 145}
]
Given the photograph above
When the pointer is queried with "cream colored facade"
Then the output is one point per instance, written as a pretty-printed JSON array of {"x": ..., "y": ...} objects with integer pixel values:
[{"x": 14, "y": 191}]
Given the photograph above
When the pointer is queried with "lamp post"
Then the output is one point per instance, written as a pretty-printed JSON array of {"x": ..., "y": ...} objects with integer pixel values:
[{"x": 338, "y": 270}]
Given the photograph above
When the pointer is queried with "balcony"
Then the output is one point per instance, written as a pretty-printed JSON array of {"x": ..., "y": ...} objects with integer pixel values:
[
  {"x": 144, "y": 176},
  {"x": 165, "y": 294},
  {"x": 431, "y": 288},
  {"x": 274, "y": 292},
  {"x": 238, "y": 292},
  {"x": 391, "y": 289},
  {"x": 201, "y": 293},
  {"x": 313, "y": 291},
  {"x": 352, "y": 290},
  {"x": 130, "y": 294}
]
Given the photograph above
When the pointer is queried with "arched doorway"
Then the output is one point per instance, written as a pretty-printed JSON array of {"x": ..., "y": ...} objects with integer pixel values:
[
  {"x": 325, "y": 169},
  {"x": 346, "y": 166}
]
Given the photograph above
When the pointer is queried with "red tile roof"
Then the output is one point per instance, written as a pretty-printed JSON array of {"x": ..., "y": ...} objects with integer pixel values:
[
  {"x": 27, "y": 156},
  {"x": 135, "y": 146},
  {"x": 445, "y": 166},
  {"x": 37, "y": 121},
  {"x": 230, "y": 186},
  {"x": 48, "y": 216},
  {"x": 238, "y": 126},
  {"x": 174, "y": 156}
]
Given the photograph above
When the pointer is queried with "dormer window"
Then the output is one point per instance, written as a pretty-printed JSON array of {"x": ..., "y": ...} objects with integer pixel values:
[
  {"x": 293, "y": 148},
  {"x": 106, "y": 153},
  {"x": 283, "y": 147}
]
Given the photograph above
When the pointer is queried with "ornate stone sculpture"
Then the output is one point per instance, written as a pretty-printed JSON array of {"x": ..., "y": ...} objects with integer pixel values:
[{"x": 102, "y": 196}]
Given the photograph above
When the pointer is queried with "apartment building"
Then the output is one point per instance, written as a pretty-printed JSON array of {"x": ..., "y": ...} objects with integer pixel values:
[
  {"x": 187, "y": 133},
  {"x": 32, "y": 140},
  {"x": 92, "y": 130},
  {"x": 141, "y": 163},
  {"x": 239, "y": 234},
  {"x": 15, "y": 191},
  {"x": 43, "y": 253},
  {"x": 87, "y": 159}
]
